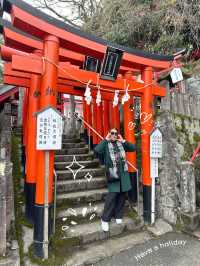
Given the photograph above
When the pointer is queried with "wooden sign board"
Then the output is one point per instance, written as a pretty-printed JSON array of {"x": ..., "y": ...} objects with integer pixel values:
[
  {"x": 154, "y": 167},
  {"x": 176, "y": 75},
  {"x": 156, "y": 144},
  {"x": 49, "y": 129}
]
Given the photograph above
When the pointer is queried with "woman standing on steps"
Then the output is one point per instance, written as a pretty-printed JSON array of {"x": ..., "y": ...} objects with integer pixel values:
[{"x": 113, "y": 149}]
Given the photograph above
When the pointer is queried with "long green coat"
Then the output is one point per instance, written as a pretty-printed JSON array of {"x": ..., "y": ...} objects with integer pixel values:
[{"x": 102, "y": 148}]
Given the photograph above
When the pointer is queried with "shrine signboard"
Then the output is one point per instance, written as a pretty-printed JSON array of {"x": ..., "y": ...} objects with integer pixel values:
[
  {"x": 49, "y": 129},
  {"x": 176, "y": 75},
  {"x": 156, "y": 144},
  {"x": 155, "y": 151}
]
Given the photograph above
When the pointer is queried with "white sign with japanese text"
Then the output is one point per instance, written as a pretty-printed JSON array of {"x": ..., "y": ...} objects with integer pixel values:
[
  {"x": 154, "y": 167},
  {"x": 176, "y": 75},
  {"x": 156, "y": 144},
  {"x": 49, "y": 130}
]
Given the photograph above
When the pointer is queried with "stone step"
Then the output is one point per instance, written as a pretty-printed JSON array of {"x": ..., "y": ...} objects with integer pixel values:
[
  {"x": 81, "y": 197},
  {"x": 79, "y": 157},
  {"x": 70, "y": 136},
  {"x": 96, "y": 252},
  {"x": 70, "y": 140},
  {"x": 83, "y": 211},
  {"x": 72, "y": 151},
  {"x": 66, "y": 145},
  {"x": 92, "y": 231},
  {"x": 67, "y": 174},
  {"x": 81, "y": 184},
  {"x": 86, "y": 164}
]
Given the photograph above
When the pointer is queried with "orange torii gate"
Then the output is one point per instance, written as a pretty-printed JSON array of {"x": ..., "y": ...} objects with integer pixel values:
[{"x": 45, "y": 55}]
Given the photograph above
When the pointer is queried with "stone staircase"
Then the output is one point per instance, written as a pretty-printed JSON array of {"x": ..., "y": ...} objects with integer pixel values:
[{"x": 80, "y": 202}]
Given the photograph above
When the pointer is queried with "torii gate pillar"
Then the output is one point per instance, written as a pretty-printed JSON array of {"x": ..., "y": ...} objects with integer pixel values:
[
  {"x": 129, "y": 135},
  {"x": 94, "y": 123},
  {"x": 24, "y": 130},
  {"x": 106, "y": 125},
  {"x": 48, "y": 98},
  {"x": 31, "y": 156},
  {"x": 89, "y": 121},
  {"x": 146, "y": 127}
]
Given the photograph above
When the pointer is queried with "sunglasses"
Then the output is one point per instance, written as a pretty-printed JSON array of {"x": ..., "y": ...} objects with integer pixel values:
[{"x": 113, "y": 133}]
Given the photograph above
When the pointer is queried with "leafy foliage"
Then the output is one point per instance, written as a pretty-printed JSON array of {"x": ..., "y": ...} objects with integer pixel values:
[
  {"x": 160, "y": 26},
  {"x": 156, "y": 26}
]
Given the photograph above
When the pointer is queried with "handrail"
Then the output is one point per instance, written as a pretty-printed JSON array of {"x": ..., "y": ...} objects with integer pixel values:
[
  {"x": 196, "y": 151},
  {"x": 55, "y": 200},
  {"x": 101, "y": 137}
]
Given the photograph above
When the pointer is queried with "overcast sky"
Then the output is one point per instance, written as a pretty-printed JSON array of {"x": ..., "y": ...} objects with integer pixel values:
[{"x": 61, "y": 8}]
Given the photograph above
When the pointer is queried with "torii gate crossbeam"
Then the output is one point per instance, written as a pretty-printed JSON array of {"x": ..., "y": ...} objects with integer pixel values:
[{"x": 41, "y": 53}]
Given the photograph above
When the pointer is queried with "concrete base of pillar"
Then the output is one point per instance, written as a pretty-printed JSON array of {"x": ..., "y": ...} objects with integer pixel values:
[
  {"x": 30, "y": 201},
  {"x": 39, "y": 229},
  {"x": 147, "y": 203},
  {"x": 132, "y": 194}
]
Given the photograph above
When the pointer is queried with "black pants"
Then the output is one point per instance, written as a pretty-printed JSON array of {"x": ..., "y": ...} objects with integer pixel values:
[{"x": 114, "y": 206}]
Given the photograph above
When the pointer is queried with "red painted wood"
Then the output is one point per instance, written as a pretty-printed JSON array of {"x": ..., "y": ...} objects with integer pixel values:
[
  {"x": 34, "y": 65},
  {"x": 40, "y": 28},
  {"x": 24, "y": 43}
]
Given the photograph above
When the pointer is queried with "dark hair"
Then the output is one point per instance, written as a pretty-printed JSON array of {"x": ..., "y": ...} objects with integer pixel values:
[{"x": 114, "y": 128}]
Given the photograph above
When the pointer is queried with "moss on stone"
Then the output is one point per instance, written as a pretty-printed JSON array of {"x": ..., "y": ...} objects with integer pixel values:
[
  {"x": 196, "y": 137},
  {"x": 182, "y": 116},
  {"x": 61, "y": 248},
  {"x": 179, "y": 226},
  {"x": 18, "y": 197},
  {"x": 158, "y": 112},
  {"x": 133, "y": 215}
]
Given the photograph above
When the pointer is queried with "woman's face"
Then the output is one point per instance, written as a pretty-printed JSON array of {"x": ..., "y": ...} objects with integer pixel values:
[{"x": 113, "y": 134}]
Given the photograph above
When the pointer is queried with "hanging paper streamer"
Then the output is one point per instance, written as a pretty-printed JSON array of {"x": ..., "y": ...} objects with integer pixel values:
[
  {"x": 87, "y": 94},
  {"x": 116, "y": 98},
  {"x": 98, "y": 99},
  {"x": 139, "y": 79},
  {"x": 126, "y": 96}
]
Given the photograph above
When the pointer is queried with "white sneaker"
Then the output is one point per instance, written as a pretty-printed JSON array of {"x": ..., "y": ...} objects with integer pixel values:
[
  {"x": 105, "y": 226},
  {"x": 118, "y": 221}
]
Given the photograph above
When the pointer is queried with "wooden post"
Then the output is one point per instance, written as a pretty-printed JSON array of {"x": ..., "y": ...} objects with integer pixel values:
[{"x": 48, "y": 98}]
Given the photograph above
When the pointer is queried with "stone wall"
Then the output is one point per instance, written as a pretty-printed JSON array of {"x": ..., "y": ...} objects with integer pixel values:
[
  {"x": 181, "y": 134},
  {"x": 6, "y": 183},
  {"x": 182, "y": 103}
]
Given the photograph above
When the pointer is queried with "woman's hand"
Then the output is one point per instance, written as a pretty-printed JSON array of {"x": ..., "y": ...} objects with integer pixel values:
[
  {"x": 120, "y": 138},
  {"x": 108, "y": 137}
]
